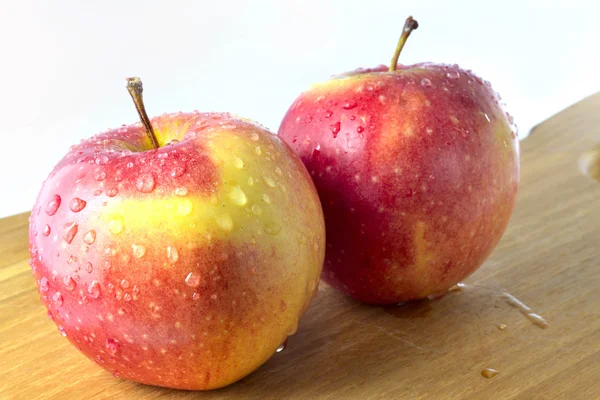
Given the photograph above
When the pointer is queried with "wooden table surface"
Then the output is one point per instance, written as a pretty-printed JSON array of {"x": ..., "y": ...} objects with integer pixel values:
[{"x": 549, "y": 258}]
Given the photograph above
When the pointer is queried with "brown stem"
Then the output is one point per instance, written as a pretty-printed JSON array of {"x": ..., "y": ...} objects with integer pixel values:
[
  {"x": 135, "y": 88},
  {"x": 409, "y": 26}
]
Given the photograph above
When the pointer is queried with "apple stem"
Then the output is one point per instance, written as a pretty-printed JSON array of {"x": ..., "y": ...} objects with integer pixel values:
[
  {"x": 409, "y": 26},
  {"x": 135, "y": 88}
]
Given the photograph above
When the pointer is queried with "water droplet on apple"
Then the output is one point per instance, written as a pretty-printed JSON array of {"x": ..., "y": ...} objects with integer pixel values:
[
  {"x": 269, "y": 181},
  {"x": 328, "y": 113},
  {"x": 100, "y": 175},
  {"x": 266, "y": 198},
  {"x": 335, "y": 129},
  {"x": 254, "y": 136},
  {"x": 70, "y": 232},
  {"x": 112, "y": 346},
  {"x": 301, "y": 237},
  {"x": 453, "y": 75},
  {"x": 257, "y": 150},
  {"x": 195, "y": 296},
  {"x": 282, "y": 346},
  {"x": 138, "y": 250},
  {"x": 101, "y": 159},
  {"x": 256, "y": 209},
  {"x": 97, "y": 192},
  {"x": 115, "y": 224},
  {"x": 237, "y": 162},
  {"x": 192, "y": 279},
  {"x": 225, "y": 222},
  {"x": 146, "y": 183},
  {"x": 69, "y": 283},
  {"x": 76, "y": 204},
  {"x": 510, "y": 118},
  {"x": 308, "y": 119},
  {"x": 44, "y": 285},
  {"x": 46, "y": 231},
  {"x": 425, "y": 82},
  {"x": 124, "y": 283},
  {"x": 162, "y": 155},
  {"x": 294, "y": 327},
  {"x": 94, "y": 289},
  {"x": 172, "y": 254},
  {"x": 112, "y": 192},
  {"x": 177, "y": 171},
  {"x": 350, "y": 105},
  {"x": 90, "y": 237},
  {"x": 191, "y": 135},
  {"x": 58, "y": 299},
  {"x": 62, "y": 330},
  {"x": 272, "y": 228},
  {"x": 360, "y": 129},
  {"x": 53, "y": 204},
  {"x": 89, "y": 267},
  {"x": 237, "y": 196},
  {"x": 317, "y": 150},
  {"x": 129, "y": 164},
  {"x": 181, "y": 191}
]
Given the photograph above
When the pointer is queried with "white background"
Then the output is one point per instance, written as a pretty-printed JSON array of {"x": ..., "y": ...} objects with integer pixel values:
[{"x": 63, "y": 63}]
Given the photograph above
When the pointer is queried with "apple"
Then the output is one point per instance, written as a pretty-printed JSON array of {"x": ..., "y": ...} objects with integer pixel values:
[
  {"x": 417, "y": 168},
  {"x": 179, "y": 252}
]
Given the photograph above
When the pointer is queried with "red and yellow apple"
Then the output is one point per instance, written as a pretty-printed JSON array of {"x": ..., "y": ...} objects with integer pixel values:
[
  {"x": 417, "y": 168},
  {"x": 185, "y": 265}
]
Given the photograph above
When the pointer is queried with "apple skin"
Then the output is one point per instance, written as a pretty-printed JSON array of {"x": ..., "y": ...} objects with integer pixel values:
[
  {"x": 187, "y": 266},
  {"x": 417, "y": 171}
]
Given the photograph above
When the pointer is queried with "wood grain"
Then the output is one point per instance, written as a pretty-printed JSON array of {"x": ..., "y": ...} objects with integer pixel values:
[{"x": 549, "y": 258}]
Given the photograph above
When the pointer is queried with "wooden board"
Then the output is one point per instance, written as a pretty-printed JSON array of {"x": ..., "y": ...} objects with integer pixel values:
[{"x": 549, "y": 258}]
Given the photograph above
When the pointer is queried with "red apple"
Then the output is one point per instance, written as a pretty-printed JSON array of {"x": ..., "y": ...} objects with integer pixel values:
[
  {"x": 417, "y": 168},
  {"x": 184, "y": 265}
]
